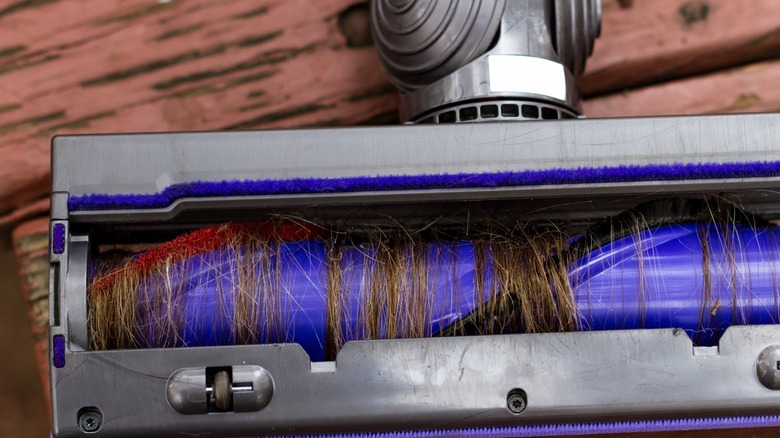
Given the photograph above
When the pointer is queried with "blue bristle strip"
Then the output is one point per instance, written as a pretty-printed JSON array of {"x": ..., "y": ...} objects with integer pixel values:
[
  {"x": 575, "y": 429},
  {"x": 581, "y": 175}
]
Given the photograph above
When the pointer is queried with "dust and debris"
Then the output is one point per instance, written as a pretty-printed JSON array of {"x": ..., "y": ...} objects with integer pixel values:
[
  {"x": 694, "y": 11},
  {"x": 744, "y": 101},
  {"x": 714, "y": 310}
]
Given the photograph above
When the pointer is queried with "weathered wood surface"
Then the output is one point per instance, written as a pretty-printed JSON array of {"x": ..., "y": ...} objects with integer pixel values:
[
  {"x": 80, "y": 66},
  {"x": 31, "y": 243},
  {"x": 745, "y": 89},
  {"x": 651, "y": 41},
  {"x": 23, "y": 413},
  {"x": 141, "y": 65}
]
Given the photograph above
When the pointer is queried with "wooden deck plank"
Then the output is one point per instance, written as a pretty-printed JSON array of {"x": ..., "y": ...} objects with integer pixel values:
[
  {"x": 193, "y": 65},
  {"x": 653, "y": 41},
  {"x": 31, "y": 243},
  {"x": 145, "y": 65},
  {"x": 748, "y": 89}
]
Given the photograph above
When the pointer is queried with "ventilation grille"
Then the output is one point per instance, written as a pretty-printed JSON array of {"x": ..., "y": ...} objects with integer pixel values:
[{"x": 498, "y": 110}]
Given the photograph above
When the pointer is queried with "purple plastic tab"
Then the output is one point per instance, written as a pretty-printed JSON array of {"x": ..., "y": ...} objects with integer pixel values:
[
  {"x": 58, "y": 239},
  {"x": 58, "y": 351}
]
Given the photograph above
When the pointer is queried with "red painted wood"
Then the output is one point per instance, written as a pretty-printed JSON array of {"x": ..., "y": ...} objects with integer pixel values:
[
  {"x": 186, "y": 65},
  {"x": 654, "y": 41},
  {"x": 748, "y": 89}
]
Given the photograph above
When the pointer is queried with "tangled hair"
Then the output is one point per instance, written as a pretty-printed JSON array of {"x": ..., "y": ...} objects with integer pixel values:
[{"x": 385, "y": 284}]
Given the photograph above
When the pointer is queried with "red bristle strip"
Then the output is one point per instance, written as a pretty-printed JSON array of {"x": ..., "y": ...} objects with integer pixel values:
[{"x": 202, "y": 241}]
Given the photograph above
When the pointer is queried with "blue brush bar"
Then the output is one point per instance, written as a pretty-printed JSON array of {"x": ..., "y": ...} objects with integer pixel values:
[
  {"x": 655, "y": 279},
  {"x": 206, "y": 287}
]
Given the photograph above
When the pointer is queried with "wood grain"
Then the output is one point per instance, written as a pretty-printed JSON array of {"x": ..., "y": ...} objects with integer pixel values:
[
  {"x": 654, "y": 41},
  {"x": 31, "y": 243},
  {"x": 23, "y": 412},
  {"x": 136, "y": 65},
  {"x": 747, "y": 89},
  {"x": 143, "y": 65}
]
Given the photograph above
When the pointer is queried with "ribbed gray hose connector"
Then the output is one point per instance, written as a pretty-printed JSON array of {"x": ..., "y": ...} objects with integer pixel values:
[{"x": 421, "y": 41}]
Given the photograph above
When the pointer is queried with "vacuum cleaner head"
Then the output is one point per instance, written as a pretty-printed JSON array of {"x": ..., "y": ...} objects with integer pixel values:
[{"x": 548, "y": 277}]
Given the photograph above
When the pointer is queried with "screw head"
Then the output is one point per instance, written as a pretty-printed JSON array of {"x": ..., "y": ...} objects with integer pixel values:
[
  {"x": 90, "y": 421},
  {"x": 768, "y": 367},
  {"x": 516, "y": 401}
]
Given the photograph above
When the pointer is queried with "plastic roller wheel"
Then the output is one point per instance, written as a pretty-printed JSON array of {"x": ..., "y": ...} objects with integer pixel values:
[{"x": 222, "y": 390}]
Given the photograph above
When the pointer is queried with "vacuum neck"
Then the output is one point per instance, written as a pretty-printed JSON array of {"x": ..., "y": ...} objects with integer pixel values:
[{"x": 464, "y": 61}]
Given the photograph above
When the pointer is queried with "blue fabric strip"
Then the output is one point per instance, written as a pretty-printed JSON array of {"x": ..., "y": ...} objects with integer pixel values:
[
  {"x": 576, "y": 429},
  {"x": 581, "y": 175}
]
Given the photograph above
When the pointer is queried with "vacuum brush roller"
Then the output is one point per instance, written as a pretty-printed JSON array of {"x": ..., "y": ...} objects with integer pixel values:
[{"x": 485, "y": 60}]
